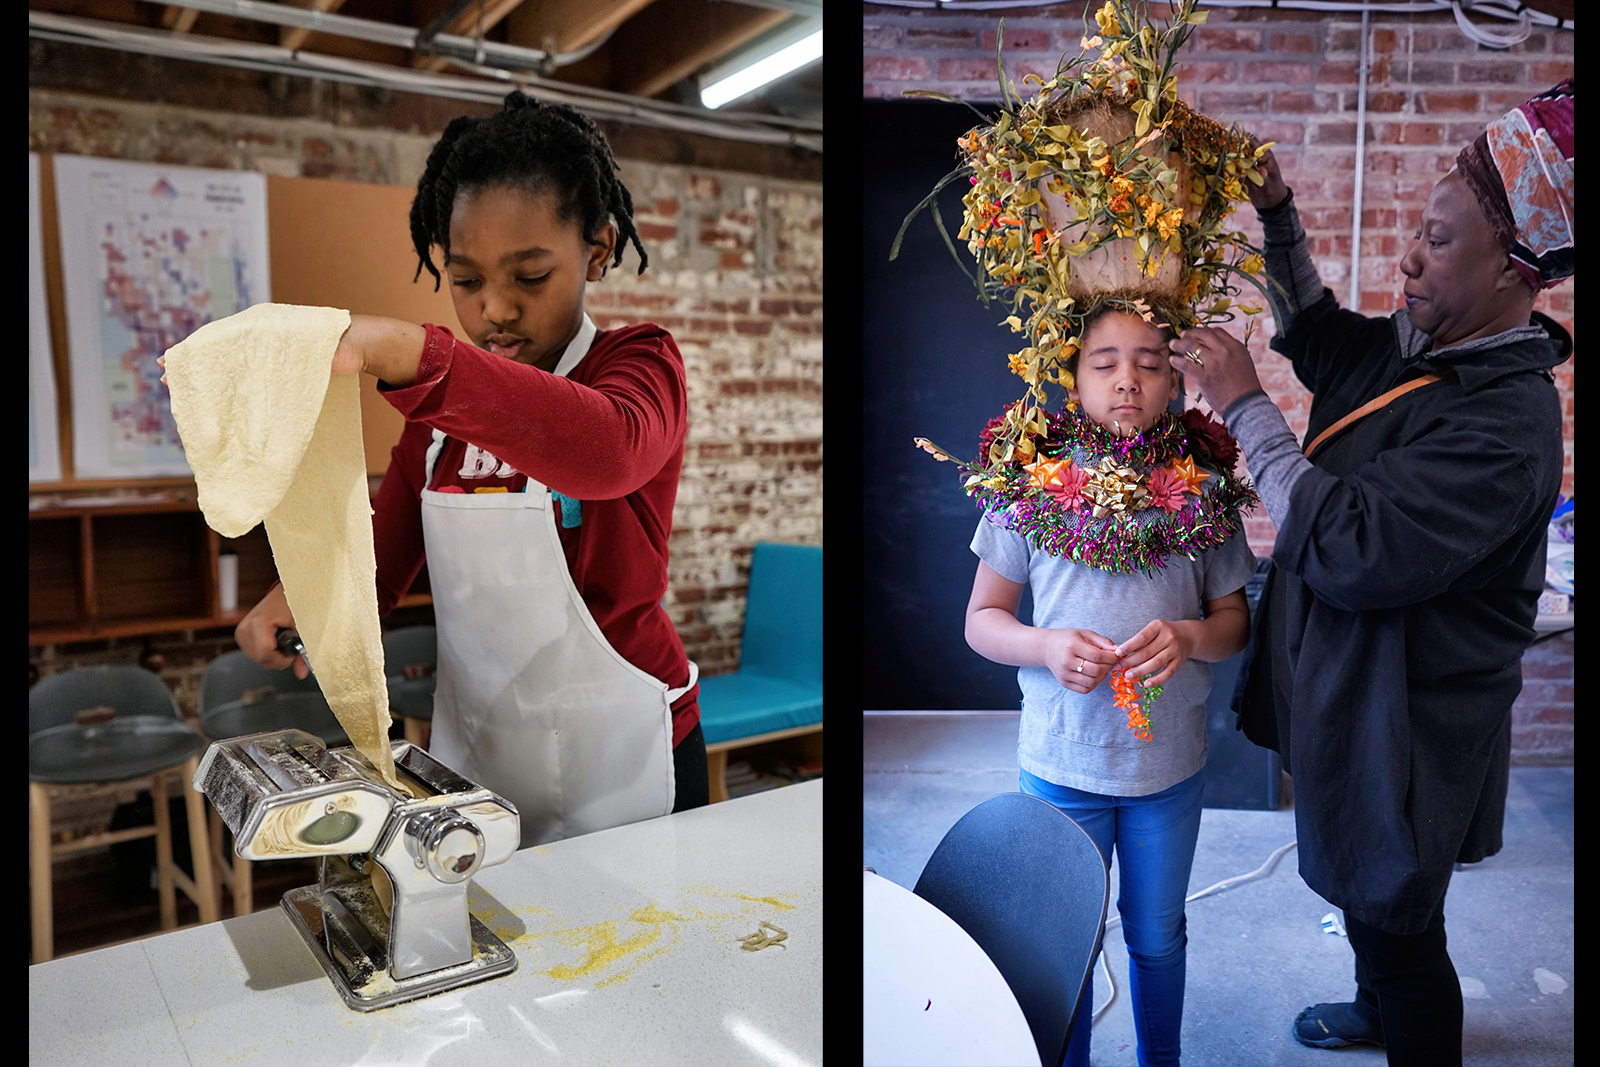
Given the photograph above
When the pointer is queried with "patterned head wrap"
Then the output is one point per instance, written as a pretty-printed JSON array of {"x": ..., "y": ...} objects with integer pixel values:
[{"x": 1520, "y": 169}]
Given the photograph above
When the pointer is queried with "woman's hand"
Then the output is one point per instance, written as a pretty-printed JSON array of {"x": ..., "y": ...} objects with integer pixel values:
[
  {"x": 1079, "y": 659},
  {"x": 1218, "y": 363},
  {"x": 1271, "y": 192},
  {"x": 257, "y": 633},
  {"x": 1155, "y": 653}
]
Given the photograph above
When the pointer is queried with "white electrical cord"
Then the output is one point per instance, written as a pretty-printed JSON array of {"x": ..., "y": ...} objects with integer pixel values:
[
  {"x": 1493, "y": 40},
  {"x": 1227, "y": 883},
  {"x": 1500, "y": 9}
]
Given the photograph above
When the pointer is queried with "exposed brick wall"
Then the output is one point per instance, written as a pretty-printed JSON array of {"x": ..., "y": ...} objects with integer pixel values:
[
  {"x": 1292, "y": 77},
  {"x": 735, "y": 274},
  {"x": 1288, "y": 77},
  {"x": 1541, "y": 719}
]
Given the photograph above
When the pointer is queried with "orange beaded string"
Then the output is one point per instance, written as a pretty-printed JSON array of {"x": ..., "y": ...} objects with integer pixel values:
[{"x": 1127, "y": 697}]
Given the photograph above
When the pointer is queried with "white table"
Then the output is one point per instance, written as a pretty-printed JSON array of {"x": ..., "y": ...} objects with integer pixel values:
[
  {"x": 933, "y": 998},
  {"x": 627, "y": 948}
]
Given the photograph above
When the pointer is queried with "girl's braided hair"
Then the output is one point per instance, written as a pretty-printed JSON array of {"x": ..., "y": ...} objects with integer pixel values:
[{"x": 527, "y": 144}]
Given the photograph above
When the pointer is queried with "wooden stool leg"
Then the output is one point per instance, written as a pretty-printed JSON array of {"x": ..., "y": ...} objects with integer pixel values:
[
  {"x": 243, "y": 897},
  {"x": 417, "y": 731},
  {"x": 214, "y": 828},
  {"x": 169, "y": 901},
  {"x": 205, "y": 879},
  {"x": 717, "y": 771},
  {"x": 40, "y": 869}
]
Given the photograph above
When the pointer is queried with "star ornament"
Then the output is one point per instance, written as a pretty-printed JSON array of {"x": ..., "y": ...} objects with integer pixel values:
[{"x": 1189, "y": 474}]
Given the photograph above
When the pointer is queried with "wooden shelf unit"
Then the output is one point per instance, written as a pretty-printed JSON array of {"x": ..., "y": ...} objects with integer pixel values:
[{"x": 113, "y": 570}]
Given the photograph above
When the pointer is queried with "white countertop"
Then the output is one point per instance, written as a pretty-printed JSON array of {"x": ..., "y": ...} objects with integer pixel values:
[
  {"x": 931, "y": 995},
  {"x": 628, "y": 952}
]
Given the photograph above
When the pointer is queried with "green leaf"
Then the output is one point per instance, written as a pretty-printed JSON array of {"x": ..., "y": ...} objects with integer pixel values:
[{"x": 959, "y": 172}]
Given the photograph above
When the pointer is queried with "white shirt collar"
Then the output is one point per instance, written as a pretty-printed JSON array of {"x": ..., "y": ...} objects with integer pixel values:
[{"x": 577, "y": 348}]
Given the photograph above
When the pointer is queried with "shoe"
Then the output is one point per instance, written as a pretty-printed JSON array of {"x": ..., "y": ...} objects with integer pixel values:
[{"x": 1336, "y": 1026}]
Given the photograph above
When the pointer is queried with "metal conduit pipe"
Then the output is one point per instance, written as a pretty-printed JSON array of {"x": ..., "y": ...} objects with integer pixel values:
[
  {"x": 759, "y": 129},
  {"x": 466, "y": 55},
  {"x": 443, "y": 44},
  {"x": 1510, "y": 10},
  {"x": 1361, "y": 170}
]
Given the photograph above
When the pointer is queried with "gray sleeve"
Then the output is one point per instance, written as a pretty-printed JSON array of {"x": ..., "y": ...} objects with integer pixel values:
[
  {"x": 1270, "y": 450},
  {"x": 1289, "y": 263},
  {"x": 1003, "y": 550}
]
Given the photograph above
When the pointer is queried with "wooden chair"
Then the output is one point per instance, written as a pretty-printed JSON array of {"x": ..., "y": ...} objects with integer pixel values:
[{"x": 112, "y": 724}]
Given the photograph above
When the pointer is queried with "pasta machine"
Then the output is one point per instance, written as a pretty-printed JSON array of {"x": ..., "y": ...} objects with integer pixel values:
[{"x": 388, "y": 919}]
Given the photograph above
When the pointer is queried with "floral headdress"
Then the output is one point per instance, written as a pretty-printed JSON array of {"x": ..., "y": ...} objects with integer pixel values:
[{"x": 1140, "y": 186}]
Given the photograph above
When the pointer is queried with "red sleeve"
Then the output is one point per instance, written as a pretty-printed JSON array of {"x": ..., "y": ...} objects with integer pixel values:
[
  {"x": 599, "y": 440},
  {"x": 397, "y": 517}
]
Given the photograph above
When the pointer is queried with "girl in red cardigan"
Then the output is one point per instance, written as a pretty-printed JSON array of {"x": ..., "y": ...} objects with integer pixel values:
[{"x": 536, "y": 475}]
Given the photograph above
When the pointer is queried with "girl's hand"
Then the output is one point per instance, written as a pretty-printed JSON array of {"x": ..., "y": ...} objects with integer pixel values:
[
  {"x": 1079, "y": 659},
  {"x": 257, "y": 633},
  {"x": 371, "y": 343},
  {"x": 350, "y": 356},
  {"x": 1155, "y": 653}
]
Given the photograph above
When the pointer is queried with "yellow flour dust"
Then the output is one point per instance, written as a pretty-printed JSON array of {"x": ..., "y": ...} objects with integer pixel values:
[
  {"x": 602, "y": 946},
  {"x": 615, "y": 948},
  {"x": 714, "y": 891}
]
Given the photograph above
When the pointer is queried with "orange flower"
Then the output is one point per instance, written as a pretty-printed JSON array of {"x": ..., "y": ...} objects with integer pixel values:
[{"x": 1168, "y": 223}]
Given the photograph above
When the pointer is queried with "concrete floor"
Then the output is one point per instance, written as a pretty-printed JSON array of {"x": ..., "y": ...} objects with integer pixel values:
[{"x": 1257, "y": 954}]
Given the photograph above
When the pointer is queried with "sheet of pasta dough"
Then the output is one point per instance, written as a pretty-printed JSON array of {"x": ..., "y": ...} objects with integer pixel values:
[{"x": 274, "y": 436}]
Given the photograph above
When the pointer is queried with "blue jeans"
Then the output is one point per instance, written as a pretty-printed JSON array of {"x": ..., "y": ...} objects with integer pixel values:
[{"x": 1154, "y": 837}]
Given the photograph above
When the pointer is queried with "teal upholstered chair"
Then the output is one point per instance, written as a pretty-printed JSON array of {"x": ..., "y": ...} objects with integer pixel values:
[{"x": 777, "y": 690}]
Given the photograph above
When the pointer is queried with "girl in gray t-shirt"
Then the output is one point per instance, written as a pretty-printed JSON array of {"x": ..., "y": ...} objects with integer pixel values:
[{"x": 1140, "y": 797}]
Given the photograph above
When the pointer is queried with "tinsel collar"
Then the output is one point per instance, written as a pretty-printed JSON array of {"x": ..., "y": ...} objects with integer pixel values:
[{"x": 1119, "y": 504}]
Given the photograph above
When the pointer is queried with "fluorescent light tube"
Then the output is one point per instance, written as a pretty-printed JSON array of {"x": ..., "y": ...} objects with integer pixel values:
[{"x": 747, "y": 79}]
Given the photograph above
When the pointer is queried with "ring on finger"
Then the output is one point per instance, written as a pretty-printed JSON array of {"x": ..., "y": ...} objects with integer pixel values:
[{"x": 1081, "y": 660}]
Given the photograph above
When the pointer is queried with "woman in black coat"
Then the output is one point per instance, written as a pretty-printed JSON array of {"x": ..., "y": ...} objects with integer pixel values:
[{"x": 1409, "y": 559}]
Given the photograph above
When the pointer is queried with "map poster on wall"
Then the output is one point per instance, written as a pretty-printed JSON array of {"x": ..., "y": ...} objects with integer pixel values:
[
  {"x": 149, "y": 253},
  {"x": 44, "y": 451}
]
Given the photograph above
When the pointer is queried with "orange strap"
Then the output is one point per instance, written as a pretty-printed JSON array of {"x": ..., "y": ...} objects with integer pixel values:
[{"x": 1372, "y": 405}]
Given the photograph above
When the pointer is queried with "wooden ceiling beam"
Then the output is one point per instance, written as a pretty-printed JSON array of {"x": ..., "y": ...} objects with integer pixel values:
[
  {"x": 178, "y": 19},
  {"x": 292, "y": 37},
  {"x": 567, "y": 25},
  {"x": 466, "y": 24},
  {"x": 671, "y": 39}
]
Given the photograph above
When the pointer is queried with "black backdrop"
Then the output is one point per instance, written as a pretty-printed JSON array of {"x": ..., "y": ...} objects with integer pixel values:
[{"x": 935, "y": 367}]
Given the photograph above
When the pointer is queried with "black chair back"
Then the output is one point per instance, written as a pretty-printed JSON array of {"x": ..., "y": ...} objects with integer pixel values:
[
  {"x": 56, "y": 700},
  {"x": 1031, "y": 888}
]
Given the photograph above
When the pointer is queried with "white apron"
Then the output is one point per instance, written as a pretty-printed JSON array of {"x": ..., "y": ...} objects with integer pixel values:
[{"x": 531, "y": 699}]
